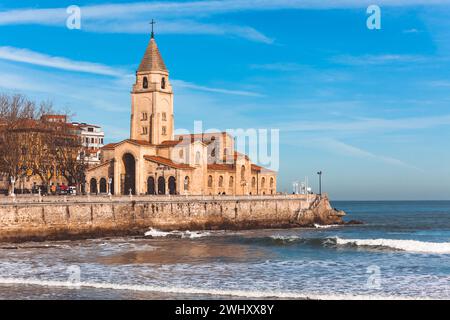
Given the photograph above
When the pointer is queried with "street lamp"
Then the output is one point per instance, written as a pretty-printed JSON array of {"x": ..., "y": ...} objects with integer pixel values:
[
  {"x": 320, "y": 182},
  {"x": 109, "y": 189},
  {"x": 13, "y": 181}
]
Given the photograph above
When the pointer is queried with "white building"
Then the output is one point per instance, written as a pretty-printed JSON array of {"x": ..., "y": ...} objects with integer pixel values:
[{"x": 92, "y": 140}]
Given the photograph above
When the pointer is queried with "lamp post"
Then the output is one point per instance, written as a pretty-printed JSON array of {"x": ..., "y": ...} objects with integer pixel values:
[
  {"x": 320, "y": 182},
  {"x": 13, "y": 181},
  {"x": 109, "y": 189}
]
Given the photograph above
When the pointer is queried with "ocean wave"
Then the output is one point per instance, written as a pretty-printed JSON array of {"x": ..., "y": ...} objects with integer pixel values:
[
  {"x": 197, "y": 291},
  {"x": 177, "y": 234},
  {"x": 402, "y": 245},
  {"x": 319, "y": 226}
]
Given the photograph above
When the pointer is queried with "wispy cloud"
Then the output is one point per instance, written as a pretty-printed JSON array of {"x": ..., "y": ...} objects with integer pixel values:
[
  {"x": 369, "y": 124},
  {"x": 183, "y": 16},
  {"x": 378, "y": 59},
  {"x": 40, "y": 59},
  {"x": 278, "y": 66},
  {"x": 189, "y": 85},
  {"x": 123, "y": 77},
  {"x": 180, "y": 27},
  {"x": 352, "y": 151}
]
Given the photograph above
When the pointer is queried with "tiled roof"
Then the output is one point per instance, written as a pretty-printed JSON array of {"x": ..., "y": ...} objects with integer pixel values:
[
  {"x": 138, "y": 142},
  {"x": 221, "y": 167},
  {"x": 168, "y": 162},
  {"x": 152, "y": 60},
  {"x": 109, "y": 146},
  {"x": 256, "y": 167}
]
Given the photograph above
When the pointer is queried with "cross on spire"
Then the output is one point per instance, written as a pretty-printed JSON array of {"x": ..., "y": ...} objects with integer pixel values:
[{"x": 152, "y": 23}]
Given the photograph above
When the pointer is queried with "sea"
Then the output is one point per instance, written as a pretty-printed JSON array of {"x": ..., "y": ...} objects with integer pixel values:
[{"x": 402, "y": 251}]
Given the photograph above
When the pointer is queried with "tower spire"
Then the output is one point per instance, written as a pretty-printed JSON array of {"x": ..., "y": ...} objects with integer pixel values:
[{"x": 153, "y": 34}]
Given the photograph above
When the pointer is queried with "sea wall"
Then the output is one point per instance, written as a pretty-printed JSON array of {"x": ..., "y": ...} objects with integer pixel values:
[{"x": 68, "y": 218}]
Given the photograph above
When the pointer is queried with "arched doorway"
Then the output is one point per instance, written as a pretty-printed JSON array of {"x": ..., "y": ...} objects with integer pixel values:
[
  {"x": 129, "y": 179},
  {"x": 151, "y": 185},
  {"x": 172, "y": 185},
  {"x": 93, "y": 186},
  {"x": 103, "y": 185},
  {"x": 161, "y": 185}
]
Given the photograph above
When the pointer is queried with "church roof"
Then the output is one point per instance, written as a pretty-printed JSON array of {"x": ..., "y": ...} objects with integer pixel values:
[
  {"x": 168, "y": 162},
  {"x": 152, "y": 60}
]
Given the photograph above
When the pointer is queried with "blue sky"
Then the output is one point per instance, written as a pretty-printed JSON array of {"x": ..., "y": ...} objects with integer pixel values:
[{"x": 370, "y": 108}]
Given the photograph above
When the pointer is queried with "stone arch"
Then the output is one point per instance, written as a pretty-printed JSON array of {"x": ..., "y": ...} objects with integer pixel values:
[
  {"x": 161, "y": 185},
  {"x": 186, "y": 183},
  {"x": 243, "y": 173},
  {"x": 210, "y": 181},
  {"x": 172, "y": 183},
  {"x": 103, "y": 185},
  {"x": 145, "y": 83},
  {"x": 151, "y": 185},
  {"x": 129, "y": 176},
  {"x": 93, "y": 186},
  {"x": 231, "y": 182}
]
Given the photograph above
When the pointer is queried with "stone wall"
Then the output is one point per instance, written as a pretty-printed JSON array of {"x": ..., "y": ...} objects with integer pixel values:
[{"x": 69, "y": 218}]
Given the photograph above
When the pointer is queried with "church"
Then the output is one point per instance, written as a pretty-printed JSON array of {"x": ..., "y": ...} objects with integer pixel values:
[{"x": 154, "y": 161}]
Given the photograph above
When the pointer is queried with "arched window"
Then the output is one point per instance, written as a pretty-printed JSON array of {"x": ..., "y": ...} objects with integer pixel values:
[
  {"x": 181, "y": 153},
  {"x": 221, "y": 181},
  {"x": 163, "y": 116},
  {"x": 263, "y": 182},
  {"x": 231, "y": 183},
  {"x": 253, "y": 182},
  {"x": 210, "y": 181},
  {"x": 163, "y": 83},
  {"x": 271, "y": 182},
  {"x": 186, "y": 183},
  {"x": 213, "y": 152},
  {"x": 243, "y": 173},
  {"x": 197, "y": 158},
  {"x": 145, "y": 83}
]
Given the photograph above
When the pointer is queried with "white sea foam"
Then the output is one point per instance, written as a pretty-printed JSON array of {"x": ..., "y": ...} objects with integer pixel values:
[
  {"x": 285, "y": 238},
  {"x": 156, "y": 233},
  {"x": 404, "y": 245},
  {"x": 319, "y": 226},
  {"x": 198, "y": 291},
  {"x": 182, "y": 234}
]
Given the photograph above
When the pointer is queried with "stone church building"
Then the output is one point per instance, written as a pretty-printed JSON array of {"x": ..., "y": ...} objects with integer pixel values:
[{"x": 155, "y": 161}]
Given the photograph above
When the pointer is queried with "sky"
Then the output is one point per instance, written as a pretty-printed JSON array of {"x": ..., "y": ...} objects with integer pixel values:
[{"x": 369, "y": 108}]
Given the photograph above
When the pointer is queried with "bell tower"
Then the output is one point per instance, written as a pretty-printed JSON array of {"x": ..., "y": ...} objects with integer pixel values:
[{"x": 152, "y": 99}]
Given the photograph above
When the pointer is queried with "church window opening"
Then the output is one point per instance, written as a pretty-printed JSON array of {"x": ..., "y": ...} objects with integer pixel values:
[
  {"x": 145, "y": 83},
  {"x": 164, "y": 116},
  {"x": 213, "y": 152},
  {"x": 243, "y": 173},
  {"x": 231, "y": 182},
  {"x": 144, "y": 116},
  {"x": 221, "y": 181},
  {"x": 181, "y": 153},
  {"x": 253, "y": 182},
  {"x": 164, "y": 131},
  {"x": 271, "y": 182},
  {"x": 263, "y": 182},
  {"x": 186, "y": 183},
  {"x": 163, "y": 83},
  {"x": 210, "y": 181},
  {"x": 197, "y": 158},
  {"x": 144, "y": 130}
]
